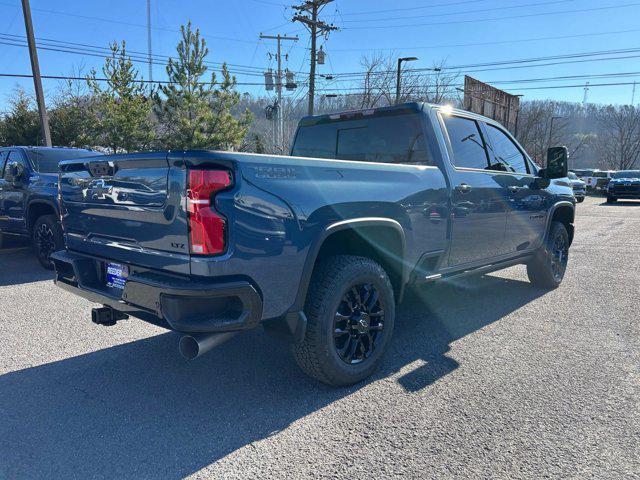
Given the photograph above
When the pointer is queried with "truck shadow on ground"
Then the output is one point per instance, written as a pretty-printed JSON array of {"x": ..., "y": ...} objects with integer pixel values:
[
  {"x": 138, "y": 410},
  {"x": 621, "y": 203},
  {"x": 18, "y": 264}
]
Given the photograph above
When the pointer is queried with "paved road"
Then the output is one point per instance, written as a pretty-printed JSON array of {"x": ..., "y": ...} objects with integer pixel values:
[{"x": 488, "y": 377}]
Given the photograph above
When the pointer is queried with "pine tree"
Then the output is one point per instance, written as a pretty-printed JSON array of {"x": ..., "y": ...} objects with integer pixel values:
[
  {"x": 195, "y": 112},
  {"x": 21, "y": 124},
  {"x": 121, "y": 110},
  {"x": 70, "y": 124}
]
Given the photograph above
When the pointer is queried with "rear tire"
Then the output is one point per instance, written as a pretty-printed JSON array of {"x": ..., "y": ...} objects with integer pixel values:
[
  {"x": 350, "y": 312},
  {"x": 548, "y": 267},
  {"x": 580, "y": 200},
  {"x": 611, "y": 199},
  {"x": 46, "y": 237}
]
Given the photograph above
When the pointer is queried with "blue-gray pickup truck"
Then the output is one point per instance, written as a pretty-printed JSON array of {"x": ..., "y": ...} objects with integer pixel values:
[{"x": 317, "y": 247}]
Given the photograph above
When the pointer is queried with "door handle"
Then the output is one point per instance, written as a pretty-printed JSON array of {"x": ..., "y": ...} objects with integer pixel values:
[{"x": 463, "y": 188}]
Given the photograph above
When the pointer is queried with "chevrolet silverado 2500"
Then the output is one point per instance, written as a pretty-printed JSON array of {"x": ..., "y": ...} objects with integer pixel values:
[{"x": 316, "y": 247}]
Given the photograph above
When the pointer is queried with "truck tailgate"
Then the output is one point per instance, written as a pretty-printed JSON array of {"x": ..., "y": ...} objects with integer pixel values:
[{"x": 126, "y": 208}]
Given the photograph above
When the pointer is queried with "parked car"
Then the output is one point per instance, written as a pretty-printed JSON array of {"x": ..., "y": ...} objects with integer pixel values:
[
  {"x": 624, "y": 184},
  {"x": 584, "y": 174},
  {"x": 599, "y": 181},
  {"x": 28, "y": 195},
  {"x": 317, "y": 247},
  {"x": 579, "y": 187}
]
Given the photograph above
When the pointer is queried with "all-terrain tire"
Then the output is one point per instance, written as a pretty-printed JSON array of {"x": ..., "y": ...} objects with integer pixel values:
[
  {"x": 333, "y": 280},
  {"x": 46, "y": 238},
  {"x": 549, "y": 264}
]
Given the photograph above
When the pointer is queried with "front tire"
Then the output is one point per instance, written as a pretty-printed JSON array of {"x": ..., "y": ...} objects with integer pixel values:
[
  {"x": 350, "y": 312},
  {"x": 549, "y": 265},
  {"x": 580, "y": 199},
  {"x": 46, "y": 237}
]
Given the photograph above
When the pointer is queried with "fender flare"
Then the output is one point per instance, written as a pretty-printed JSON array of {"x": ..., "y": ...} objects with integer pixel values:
[
  {"x": 552, "y": 211},
  {"x": 39, "y": 201},
  {"x": 350, "y": 224}
]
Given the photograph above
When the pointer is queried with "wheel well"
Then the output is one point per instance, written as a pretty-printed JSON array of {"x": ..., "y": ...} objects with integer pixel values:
[
  {"x": 36, "y": 210},
  {"x": 381, "y": 244},
  {"x": 565, "y": 215}
]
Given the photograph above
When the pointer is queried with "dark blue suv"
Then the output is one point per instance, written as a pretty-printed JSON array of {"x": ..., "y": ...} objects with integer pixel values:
[{"x": 28, "y": 195}]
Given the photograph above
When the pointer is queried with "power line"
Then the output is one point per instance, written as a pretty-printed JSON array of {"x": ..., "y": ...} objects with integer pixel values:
[
  {"x": 447, "y": 14},
  {"x": 510, "y": 17},
  {"x": 499, "y": 42},
  {"x": 516, "y": 62},
  {"x": 550, "y": 87},
  {"x": 100, "y": 79},
  {"x": 120, "y": 22},
  {"x": 371, "y": 12},
  {"x": 102, "y": 52}
]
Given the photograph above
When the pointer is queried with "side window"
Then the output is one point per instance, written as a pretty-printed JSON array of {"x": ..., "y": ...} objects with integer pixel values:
[
  {"x": 466, "y": 142},
  {"x": 503, "y": 153}
]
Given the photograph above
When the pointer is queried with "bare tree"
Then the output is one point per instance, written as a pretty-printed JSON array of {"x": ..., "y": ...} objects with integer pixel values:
[{"x": 618, "y": 142}]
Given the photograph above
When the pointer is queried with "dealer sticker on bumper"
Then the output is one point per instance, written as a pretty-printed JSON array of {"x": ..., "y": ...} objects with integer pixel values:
[{"x": 117, "y": 275}]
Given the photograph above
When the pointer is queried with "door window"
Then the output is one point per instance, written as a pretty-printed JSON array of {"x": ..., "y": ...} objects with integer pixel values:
[
  {"x": 503, "y": 153},
  {"x": 467, "y": 144}
]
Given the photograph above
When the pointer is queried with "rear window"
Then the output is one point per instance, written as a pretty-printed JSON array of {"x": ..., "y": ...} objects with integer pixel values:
[
  {"x": 46, "y": 161},
  {"x": 385, "y": 139},
  {"x": 600, "y": 174}
]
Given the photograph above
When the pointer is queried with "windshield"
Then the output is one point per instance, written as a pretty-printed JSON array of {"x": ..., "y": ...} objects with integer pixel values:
[
  {"x": 627, "y": 174},
  {"x": 46, "y": 161}
]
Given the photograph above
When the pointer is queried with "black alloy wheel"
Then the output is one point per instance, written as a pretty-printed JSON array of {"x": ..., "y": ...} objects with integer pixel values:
[
  {"x": 358, "y": 323},
  {"x": 46, "y": 235},
  {"x": 559, "y": 256}
]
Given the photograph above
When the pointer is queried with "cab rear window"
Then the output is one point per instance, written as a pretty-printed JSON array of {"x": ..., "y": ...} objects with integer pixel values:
[{"x": 385, "y": 139}]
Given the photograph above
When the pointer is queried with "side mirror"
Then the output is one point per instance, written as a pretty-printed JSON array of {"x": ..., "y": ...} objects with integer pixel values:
[{"x": 557, "y": 163}]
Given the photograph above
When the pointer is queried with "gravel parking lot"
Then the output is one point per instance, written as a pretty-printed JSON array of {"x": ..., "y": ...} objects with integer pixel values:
[{"x": 487, "y": 377}]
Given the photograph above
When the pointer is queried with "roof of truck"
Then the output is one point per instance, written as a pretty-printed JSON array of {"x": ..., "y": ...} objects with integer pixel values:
[{"x": 412, "y": 107}]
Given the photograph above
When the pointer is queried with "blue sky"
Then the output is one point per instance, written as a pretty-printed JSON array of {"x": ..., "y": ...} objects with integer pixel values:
[{"x": 432, "y": 30}]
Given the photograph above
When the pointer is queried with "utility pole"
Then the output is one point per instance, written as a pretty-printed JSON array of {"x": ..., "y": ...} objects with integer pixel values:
[
  {"x": 316, "y": 28},
  {"x": 279, "y": 137},
  {"x": 35, "y": 70},
  {"x": 633, "y": 94},
  {"x": 149, "y": 45},
  {"x": 586, "y": 93}
]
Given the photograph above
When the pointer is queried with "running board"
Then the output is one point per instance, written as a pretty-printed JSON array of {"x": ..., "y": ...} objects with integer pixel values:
[{"x": 478, "y": 270}]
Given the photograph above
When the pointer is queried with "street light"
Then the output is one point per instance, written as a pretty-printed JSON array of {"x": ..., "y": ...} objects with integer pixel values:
[{"x": 400, "y": 60}]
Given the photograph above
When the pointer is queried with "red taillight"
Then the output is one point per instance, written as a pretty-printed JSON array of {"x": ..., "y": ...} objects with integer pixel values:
[{"x": 206, "y": 227}]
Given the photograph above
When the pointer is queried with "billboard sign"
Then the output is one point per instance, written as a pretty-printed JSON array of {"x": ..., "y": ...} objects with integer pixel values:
[{"x": 482, "y": 98}]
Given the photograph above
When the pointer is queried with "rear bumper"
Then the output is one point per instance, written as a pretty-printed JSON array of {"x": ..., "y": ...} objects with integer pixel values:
[{"x": 177, "y": 303}]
